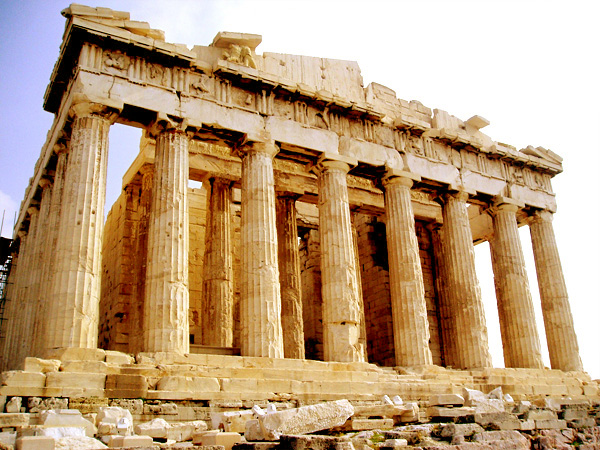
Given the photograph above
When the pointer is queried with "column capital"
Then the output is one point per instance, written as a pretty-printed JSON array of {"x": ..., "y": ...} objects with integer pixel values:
[
  {"x": 60, "y": 148},
  {"x": 458, "y": 194},
  {"x": 169, "y": 124},
  {"x": 268, "y": 148},
  {"x": 500, "y": 203},
  {"x": 402, "y": 177},
  {"x": 45, "y": 182},
  {"x": 541, "y": 215},
  {"x": 85, "y": 106},
  {"x": 329, "y": 161}
]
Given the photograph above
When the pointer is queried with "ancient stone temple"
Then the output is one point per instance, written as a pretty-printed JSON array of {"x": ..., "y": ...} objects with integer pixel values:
[{"x": 327, "y": 255}]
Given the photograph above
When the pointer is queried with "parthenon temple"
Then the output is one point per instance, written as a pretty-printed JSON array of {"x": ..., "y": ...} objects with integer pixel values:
[{"x": 330, "y": 243}]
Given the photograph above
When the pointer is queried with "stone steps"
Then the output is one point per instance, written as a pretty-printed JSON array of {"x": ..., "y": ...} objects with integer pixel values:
[{"x": 222, "y": 378}]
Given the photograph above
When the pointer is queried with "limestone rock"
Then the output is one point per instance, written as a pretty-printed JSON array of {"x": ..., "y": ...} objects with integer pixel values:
[
  {"x": 217, "y": 438},
  {"x": 306, "y": 419},
  {"x": 14, "y": 405},
  {"x": 79, "y": 443}
]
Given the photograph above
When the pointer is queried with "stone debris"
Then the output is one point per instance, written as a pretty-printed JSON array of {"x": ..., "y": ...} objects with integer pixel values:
[
  {"x": 306, "y": 419},
  {"x": 176, "y": 431},
  {"x": 67, "y": 418},
  {"x": 215, "y": 437},
  {"x": 233, "y": 421}
]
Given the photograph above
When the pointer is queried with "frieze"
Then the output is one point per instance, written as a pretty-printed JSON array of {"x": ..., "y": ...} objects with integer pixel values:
[
  {"x": 362, "y": 183},
  {"x": 328, "y": 116}
]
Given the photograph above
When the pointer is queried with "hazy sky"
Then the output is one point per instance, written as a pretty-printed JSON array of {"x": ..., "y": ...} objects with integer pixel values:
[{"x": 529, "y": 67}]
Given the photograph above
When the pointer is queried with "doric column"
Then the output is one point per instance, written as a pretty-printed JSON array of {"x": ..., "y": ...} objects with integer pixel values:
[
  {"x": 362, "y": 339},
  {"x": 217, "y": 311},
  {"x": 166, "y": 304},
  {"x": 14, "y": 312},
  {"x": 261, "y": 332},
  {"x": 53, "y": 304},
  {"x": 341, "y": 306},
  {"x": 462, "y": 286},
  {"x": 77, "y": 286},
  {"x": 520, "y": 341},
  {"x": 136, "y": 340},
  {"x": 40, "y": 271},
  {"x": 444, "y": 313},
  {"x": 558, "y": 321},
  {"x": 409, "y": 309},
  {"x": 289, "y": 277}
]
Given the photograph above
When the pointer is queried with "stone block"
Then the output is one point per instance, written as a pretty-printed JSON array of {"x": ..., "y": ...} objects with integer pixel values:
[
  {"x": 540, "y": 414},
  {"x": 114, "y": 420},
  {"x": 462, "y": 429},
  {"x": 37, "y": 404},
  {"x": 306, "y": 419},
  {"x": 498, "y": 421},
  {"x": 114, "y": 357},
  {"x": 210, "y": 438},
  {"x": 60, "y": 432},
  {"x": 156, "y": 428},
  {"x": 126, "y": 386},
  {"x": 582, "y": 423},
  {"x": 570, "y": 414},
  {"x": 184, "y": 431},
  {"x": 547, "y": 424},
  {"x": 129, "y": 441},
  {"x": 35, "y": 443},
  {"x": 88, "y": 404},
  {"x": 14, "y": 405},
  {"x": 247, "y": 446},
  {"x": 393, "y": 443},
  {"x": 67, "y": 418},
  {"x": 489, "y": 406},
  {"x": 75, "y": 380},
  {"x": 84, "y": 367},
  {"x": 527, "y": 425},
  {"x": 446, "y": 400},
  {"x": 359, "y": 424},
  {"x": 14, "y": 420},
  {"x": 231, "y": 421},
  {"x": 21, "y": 378},
  {"x": 8, "y": 438},
  {"x": 472, "y": 396},
  {"x": 188, "y": 384},
  {"x": 445, "y": 412},
  {"x": 41, "y": 365},
  {"x": 76, "y": 354}
]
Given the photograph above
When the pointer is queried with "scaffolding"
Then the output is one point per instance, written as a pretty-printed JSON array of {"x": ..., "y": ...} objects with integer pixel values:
[{"x": 5, "y": 266}]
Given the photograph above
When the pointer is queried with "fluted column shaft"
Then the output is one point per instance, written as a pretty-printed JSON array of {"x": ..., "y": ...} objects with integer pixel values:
[
  {"x": 341, "y": 306},
  {"x": 53, "y": 304},
  {"x": 15, "y": 309},
  {"x": 166, "y": 322},
  {"x": 217, "y": 312},
  {"x": 409, "y": 310},
  {"x": 289, "y": 277},
  {"x": 558, "y": 320},
  {"x": 520, "y": 340},
  {"x": 40, "y": 268},
  {"x": 261, "y": 332},
  {"x": 136, "y": 340},
  {"x": 77, "y": 287},
  {"x": 463, "y": 291}
]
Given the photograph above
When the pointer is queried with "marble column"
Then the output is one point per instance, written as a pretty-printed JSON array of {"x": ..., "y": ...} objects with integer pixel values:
[
  {"x": 40, "y": 270},
  {"x": 14, "y": 311},
  {"x": 76, "y": 289},
  {"x": 52, "y": 303},
  {"x": 166, "y": 303},
  {"x": 445, "y": 317},
  {"x": 217, "y": 310},
  {"x": 341, "y": 305},
  {"x": 28, "y": 293},
  {"x": 260, "y": 299},
  {"x": 409, "y": 309},
  {"x": 136, "y": 340},
  {"x": 520, "y": 340},
  {"x": 558, "y": 320},
  {"x": 462, "y": 286},
  {"x": 289, "y": 277}
]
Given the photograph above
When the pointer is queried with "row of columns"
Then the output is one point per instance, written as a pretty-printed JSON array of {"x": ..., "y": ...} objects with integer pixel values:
[{"x": 271, "y": 328}]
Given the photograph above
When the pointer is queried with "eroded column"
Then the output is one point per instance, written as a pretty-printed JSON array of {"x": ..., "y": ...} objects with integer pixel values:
[
  {"x": 409, "y": 309},
  {"x": 462, "y": 286},
  {"x": 166, "y": 322},
  {"x": 289, "y": 277},
  {"x": 261, "y": 332},
  {"x": 76, "y": 289},
  {"x": 217, "y": 311},
  {"x": 520, "y": 340},
  {"x": 341, "y": 306},
  {"x": 558, "y": 320}
]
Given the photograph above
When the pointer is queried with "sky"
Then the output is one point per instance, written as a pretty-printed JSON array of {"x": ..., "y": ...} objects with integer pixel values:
[{"x": 529, "y": 67}]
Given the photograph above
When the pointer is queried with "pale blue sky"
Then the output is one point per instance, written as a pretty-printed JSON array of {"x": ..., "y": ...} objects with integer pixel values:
[{"x": 529, "y": 67}]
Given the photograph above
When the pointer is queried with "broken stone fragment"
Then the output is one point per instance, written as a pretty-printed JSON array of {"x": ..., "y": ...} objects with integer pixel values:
[
  {"x": 446, "y": 400},
  {"x": 67, "y": 418},
  {"x": 306, "y": 419},
  {"x": 473, "y": 396}
]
